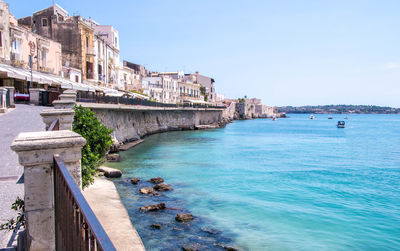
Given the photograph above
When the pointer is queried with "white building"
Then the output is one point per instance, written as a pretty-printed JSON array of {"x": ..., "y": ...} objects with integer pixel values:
[{"x": 161, "y": 88}]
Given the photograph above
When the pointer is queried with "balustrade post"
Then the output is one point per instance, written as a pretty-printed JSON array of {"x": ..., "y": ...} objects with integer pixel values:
[
  {"x": 35, "y": 152},
  {"x": 65, "y": 118}
]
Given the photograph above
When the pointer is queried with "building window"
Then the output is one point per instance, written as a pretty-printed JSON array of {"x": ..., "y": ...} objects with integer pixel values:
[
  {"x": 44, "y": 57},
  {"x": 77, "y": 79},
  {"x": 44, "y": 22},
  {"x": 87, "y": 43},
  {"x": 1, "y": 39}
]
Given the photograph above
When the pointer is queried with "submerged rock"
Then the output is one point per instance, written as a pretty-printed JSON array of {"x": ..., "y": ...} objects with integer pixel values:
[
  {"x": 110, "y": 172},
  {"x": 135, "y": 180},
  {"x": 156, "y": 226},
  {"x": 191, "y": 247},
  {"x": 209, "y": 230},
  {"x": 227, "y": 248},
  {"x": 156, "y": 180},
  {"x": 163, "y": 187},
  {"x": 184, "y": 217},
  {"x": 154, "y": 207}
]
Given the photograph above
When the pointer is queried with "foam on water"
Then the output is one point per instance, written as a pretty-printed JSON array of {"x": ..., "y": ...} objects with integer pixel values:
[{"x": 290, "y": 184}]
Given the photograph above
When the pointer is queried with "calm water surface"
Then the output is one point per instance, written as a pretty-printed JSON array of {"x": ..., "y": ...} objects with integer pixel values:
[{"x": 290, "y": 184}]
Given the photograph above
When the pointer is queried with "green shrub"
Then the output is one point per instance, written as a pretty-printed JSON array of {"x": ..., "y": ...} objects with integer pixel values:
[
  {"x": 98, "y": 141},
  {"x": 19, "y": 207}
]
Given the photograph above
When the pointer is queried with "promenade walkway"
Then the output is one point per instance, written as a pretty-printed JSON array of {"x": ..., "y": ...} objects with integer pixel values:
[{"x": 24, "y": 118}]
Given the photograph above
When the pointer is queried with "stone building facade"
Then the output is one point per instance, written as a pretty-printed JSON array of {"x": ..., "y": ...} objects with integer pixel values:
[
  {"x": 73, "y": 32},
  {"x": 4, "y": 32}
]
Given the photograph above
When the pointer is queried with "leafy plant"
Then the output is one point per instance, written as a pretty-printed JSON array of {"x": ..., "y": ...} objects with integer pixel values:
[
  {"x": 19, "y": 206},
  {"x": 98, "y": 141}
]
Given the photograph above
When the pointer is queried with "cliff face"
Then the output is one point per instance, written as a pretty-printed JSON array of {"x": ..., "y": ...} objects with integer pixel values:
[{"x": 132, "y": 124}]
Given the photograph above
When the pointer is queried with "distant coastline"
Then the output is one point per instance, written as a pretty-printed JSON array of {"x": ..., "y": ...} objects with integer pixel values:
[{"x": 340, "y": 109}]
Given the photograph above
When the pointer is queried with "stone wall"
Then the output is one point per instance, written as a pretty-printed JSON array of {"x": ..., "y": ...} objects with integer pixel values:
[{"x": 131, "y": 123}]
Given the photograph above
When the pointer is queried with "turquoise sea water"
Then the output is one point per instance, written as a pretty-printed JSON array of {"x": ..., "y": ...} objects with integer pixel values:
[{"x": 290, "y": 184}]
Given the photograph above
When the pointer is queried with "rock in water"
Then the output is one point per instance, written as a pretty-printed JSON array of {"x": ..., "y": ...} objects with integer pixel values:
[
  {"x": 110, "y": 172},
  {"x": 163, "y": 187},
  {"x": 191, "y": 247},
  {"x": 156, "y": 180},
  {"x": 154, "y": 207},
  {"x": 156, "y": 226},
  {"x": 146, "y": 190},
  {"x": 184, "y": 217},
  {"x": 113, "y": 157},
  {"x": 135, "y": 180}
]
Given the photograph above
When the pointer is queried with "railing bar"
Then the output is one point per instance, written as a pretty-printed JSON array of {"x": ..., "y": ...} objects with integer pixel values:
[
  {"x": 54, "y": 125},
  {"x": 93, "y": 223}
]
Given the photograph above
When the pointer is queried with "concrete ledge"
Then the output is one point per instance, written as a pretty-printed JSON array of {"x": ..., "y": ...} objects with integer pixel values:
[{"x": 106, "y": 204}]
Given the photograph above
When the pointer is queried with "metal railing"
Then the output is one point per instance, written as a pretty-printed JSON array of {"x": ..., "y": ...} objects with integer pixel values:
[
  {"x": 136, "y": 101},
  {"x": 76, "y": 226}
]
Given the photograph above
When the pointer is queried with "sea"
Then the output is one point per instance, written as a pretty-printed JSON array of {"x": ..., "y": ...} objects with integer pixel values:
[{"x": 289, "y": 184}]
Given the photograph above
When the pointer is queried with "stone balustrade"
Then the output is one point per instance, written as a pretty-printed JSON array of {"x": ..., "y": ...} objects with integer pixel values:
[{"x": 36, "y": 152}]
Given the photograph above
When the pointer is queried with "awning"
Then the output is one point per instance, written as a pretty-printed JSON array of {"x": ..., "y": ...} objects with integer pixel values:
[{"x": 44, "y": 78}]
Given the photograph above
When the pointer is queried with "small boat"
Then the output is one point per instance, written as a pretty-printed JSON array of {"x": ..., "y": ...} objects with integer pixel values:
[
  {"x": 340, "y": 124},
  {"x": 274, "y": 118},
  {"x": 330, "y": 117},
  {"x": 346, "y": 117},
  {"x": 312, "y": 117}
]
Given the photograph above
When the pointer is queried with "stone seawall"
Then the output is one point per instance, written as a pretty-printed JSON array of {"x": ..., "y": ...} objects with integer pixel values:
[{"x": 133, "y": 122}]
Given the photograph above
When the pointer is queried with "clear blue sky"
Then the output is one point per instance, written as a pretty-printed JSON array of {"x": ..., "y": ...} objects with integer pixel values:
[{"x": 285, "y": 52}]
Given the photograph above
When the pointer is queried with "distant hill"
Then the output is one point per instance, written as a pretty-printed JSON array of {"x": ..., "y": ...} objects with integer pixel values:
[{"x": 338, "y": 109}]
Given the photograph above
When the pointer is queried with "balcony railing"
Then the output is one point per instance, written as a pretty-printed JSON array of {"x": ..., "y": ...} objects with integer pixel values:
[{"x": 77, "y": 227}]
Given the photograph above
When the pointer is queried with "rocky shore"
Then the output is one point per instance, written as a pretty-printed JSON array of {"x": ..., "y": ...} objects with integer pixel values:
[{"x": 163, "y": 221}]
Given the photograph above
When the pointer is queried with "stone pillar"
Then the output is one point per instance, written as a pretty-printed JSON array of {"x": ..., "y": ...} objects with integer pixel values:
[
  {"x": 65, "y": 118},
  {"x": 70, "y": 91},
  {"x": 11, "y": 95},
  {"x": 35, "y": 151},
  {"x": 63, "y": 104},
  {"x": 67, "y": 96},
  {"x": 34, "y": 95},
  {"x": 3, "y": 93}
]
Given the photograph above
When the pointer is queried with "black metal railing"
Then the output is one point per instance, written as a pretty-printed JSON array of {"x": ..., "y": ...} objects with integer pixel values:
[
  {"x": 76, "y": 226},
  {"x": 136, "y": 101}
]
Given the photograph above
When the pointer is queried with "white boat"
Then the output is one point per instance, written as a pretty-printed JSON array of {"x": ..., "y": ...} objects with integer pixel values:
[
  {"x": 330, "y": 117},
  {"x": 341, "y": 124},
  {"x": 312, "y": 117},
  {"x": 273, "y": 118}
]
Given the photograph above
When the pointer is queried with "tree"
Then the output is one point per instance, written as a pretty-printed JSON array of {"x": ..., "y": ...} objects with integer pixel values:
[{"x": 98, "y": 141}]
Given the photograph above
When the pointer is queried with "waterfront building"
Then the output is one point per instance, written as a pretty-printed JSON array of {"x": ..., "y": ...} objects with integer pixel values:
[
  {"x": 128, "y": 79},
  {"x": 207, "y": 85},
  {"x": 5, "y": 43},
  {"x": 162, "y": 88},
  {"x": 73, "y": 32}
]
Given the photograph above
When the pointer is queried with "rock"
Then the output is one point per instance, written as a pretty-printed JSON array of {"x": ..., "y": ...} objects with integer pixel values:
[
  {"x": 184, "y": 217},
  {"x": 209, "y": 230},
  {"x": 135, "y": 180},
  {"x": 156, "y": 180},
  {"x": 156, "y": 226},
  {"x": 227, "y": 248},
  {"x": 110, "y": 172},
  {"x": 163, "y": 187},
  {"x": 146, "y": 190},
  {"x": 191, "y": 247},
  {"x": 113, "y": 157},
  {"x": 114, "y": 148},
  {"x": 154, "y": 207}
]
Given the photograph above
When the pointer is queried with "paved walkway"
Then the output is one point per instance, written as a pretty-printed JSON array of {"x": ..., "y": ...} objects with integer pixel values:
[
  {"x": 24, "y": 118},
  {"x": 106, "y": 204}
]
